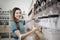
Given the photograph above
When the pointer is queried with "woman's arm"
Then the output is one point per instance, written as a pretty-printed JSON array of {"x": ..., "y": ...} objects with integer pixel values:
[
  {"x": 31, "y": 16},
  {"x": 22, "y": 36}
]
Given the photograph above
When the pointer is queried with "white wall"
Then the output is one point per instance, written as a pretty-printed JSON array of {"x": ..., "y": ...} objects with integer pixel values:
[{"x": 10, "y": 4}]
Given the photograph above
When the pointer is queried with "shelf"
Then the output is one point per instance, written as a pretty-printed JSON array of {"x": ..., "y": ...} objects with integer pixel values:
[
  {"x": 4, "y": 15},
  {"x": 4, "y": 32},
  {"x": 4, "y": 24},
  {"x": 4, "y": 19}
]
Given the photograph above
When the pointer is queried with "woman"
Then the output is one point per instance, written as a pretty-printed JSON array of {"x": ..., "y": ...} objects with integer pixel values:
[{"x": 17, "y": 25}]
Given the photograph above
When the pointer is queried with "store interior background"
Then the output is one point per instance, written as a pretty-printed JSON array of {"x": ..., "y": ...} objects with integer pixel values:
[{"x": 52, "y": 25}]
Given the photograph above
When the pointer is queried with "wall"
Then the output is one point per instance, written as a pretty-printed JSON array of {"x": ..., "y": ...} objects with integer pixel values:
[{"x": 10, "y": 4}]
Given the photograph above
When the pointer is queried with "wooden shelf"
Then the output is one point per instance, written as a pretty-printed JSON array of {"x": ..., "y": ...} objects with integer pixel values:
[{"x": 4, "y": 28}]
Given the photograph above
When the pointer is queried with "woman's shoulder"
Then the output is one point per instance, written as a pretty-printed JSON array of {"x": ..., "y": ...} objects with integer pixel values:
[{"x": 11, "y": 22}]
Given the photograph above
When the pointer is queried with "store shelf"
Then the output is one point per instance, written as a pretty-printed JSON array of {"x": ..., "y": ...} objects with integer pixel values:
[{"x": 4, "y": 19}]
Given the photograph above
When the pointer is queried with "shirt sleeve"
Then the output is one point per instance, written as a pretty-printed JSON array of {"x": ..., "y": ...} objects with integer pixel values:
[
  {"x": 23, "y": 22},
  {"x": 12, "y": 26}
]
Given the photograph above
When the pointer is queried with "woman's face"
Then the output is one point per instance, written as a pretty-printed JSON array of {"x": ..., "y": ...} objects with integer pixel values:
[{"x": 17, "y": 14}]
